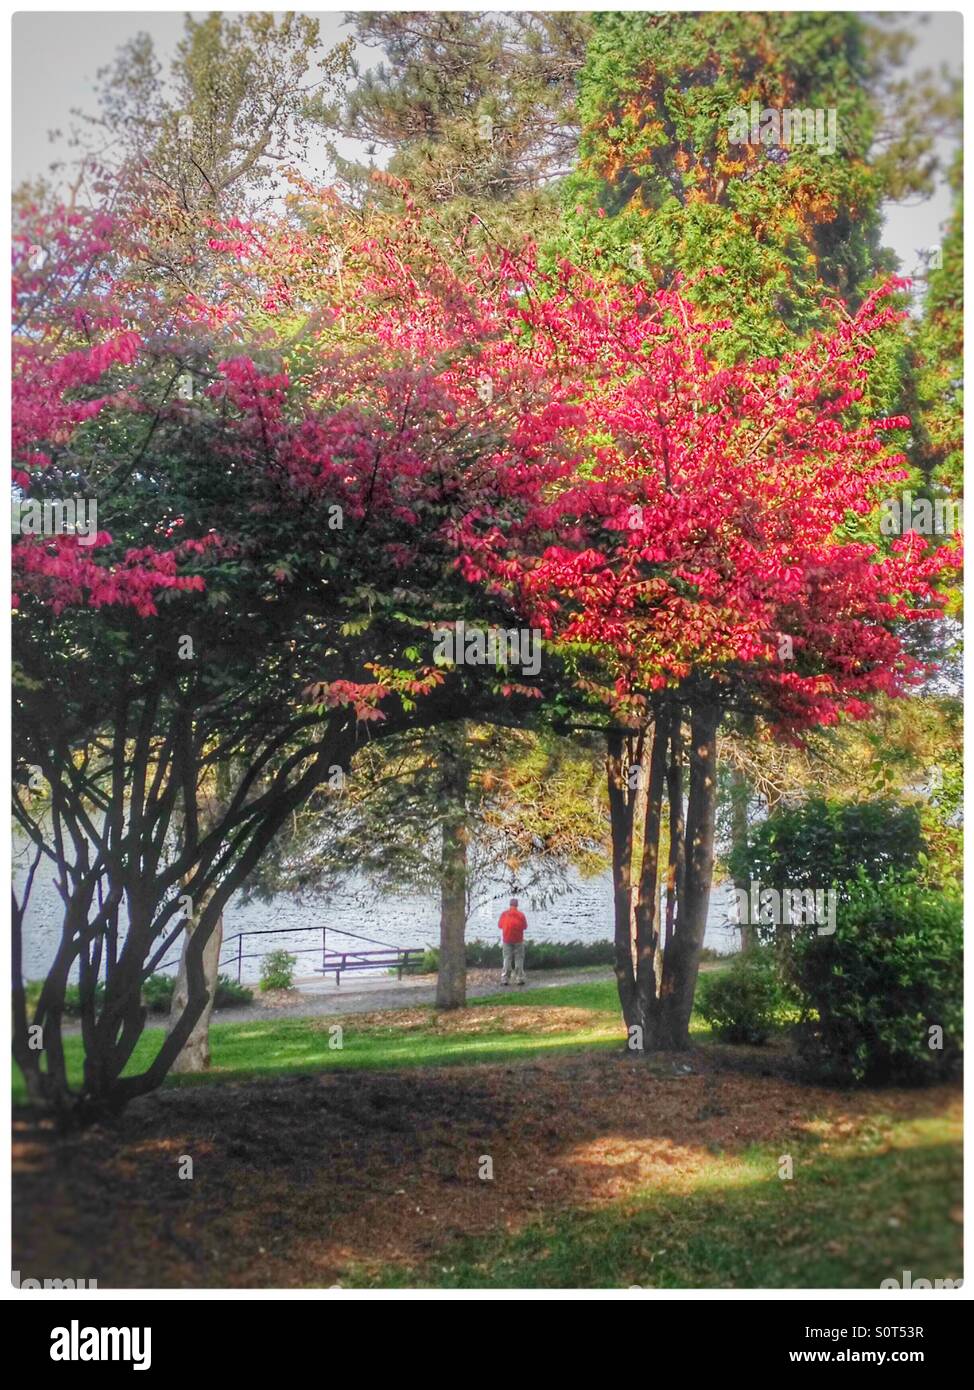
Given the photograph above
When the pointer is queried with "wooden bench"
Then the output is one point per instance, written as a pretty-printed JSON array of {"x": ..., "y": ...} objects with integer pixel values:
[{"x": 397, "y": 958}]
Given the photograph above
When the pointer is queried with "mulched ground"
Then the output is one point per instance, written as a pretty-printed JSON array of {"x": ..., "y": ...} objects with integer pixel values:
[{"x": 295, "y": 1179}]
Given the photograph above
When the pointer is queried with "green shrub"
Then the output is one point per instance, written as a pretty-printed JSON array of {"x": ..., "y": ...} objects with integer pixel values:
[
  {"x": 157, "y": 992},
  {"x": 828, "y": 844},
  {"x": 277, "y": 970},
  {"x": 230, "y": 995},
  {"x": 72, "y": 999},
  {"x": 540, "y": 955},
  {"x": 428, "y": 964},
  {"x": 32, "y": 994},
  {"x": 745, "y": 1002},
  {"x": 872, "y": 991}
]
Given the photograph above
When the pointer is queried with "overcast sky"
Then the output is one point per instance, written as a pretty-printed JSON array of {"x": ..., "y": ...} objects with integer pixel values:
[{"x": 56, "y": 57}]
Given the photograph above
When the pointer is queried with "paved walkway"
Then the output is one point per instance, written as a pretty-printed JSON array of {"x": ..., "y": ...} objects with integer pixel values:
[{"x": 319, "y": 998}]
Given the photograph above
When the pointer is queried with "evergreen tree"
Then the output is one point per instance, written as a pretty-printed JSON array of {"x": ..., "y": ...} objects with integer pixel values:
[
  {"x": 938, "y": 358},
  {"x": 475, "y": 111},
  {"x": 686, "y": 164}
]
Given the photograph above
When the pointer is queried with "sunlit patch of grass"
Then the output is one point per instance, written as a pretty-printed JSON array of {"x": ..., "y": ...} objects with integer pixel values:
[
  {"x": 425, "y": 1038},
  {"x": 846, "y": 1220}
]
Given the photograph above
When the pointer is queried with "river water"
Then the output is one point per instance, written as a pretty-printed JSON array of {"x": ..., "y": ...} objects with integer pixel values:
[{"x": 582, "y": 913}]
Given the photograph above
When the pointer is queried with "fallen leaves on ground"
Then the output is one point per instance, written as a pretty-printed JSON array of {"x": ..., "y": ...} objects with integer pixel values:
[{"x": 296, "y": 1178}]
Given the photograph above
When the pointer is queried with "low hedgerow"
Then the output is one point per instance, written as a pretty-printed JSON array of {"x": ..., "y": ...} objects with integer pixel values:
[
  {"x": 540, "y": 955},
  {"x": 72, "y": 997},
  {"x": 230, "y": 995},
  {"x": 158, "y": 990}
]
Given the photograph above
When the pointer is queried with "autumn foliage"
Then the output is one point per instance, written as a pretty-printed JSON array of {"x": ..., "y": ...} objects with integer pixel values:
[
  {"x": 574, "y": 450},
  {"x": 501, "y": 445}
]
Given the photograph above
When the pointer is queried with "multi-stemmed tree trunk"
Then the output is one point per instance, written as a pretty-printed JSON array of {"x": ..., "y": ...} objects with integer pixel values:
[
  {"x": 657, "y": 976},
  {"x": 451, "y": 980},
  {"x": 195, "y": 1055},
  {"x": 116, "y": 859}
]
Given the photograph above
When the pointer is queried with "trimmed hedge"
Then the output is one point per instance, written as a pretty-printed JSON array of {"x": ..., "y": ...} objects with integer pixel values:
[
  {"x": 540, "y": 955},
  {"x": 157, "y": 994}
]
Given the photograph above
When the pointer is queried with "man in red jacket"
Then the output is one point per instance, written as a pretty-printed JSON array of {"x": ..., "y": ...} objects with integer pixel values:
[{"x": 513, "y": 924}]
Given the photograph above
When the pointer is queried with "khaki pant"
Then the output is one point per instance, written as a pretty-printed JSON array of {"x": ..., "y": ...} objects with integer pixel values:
[{"x": 511, "y": 952}]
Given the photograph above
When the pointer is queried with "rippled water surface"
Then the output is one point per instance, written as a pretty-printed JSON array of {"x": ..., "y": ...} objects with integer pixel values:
[{"x": 406, "y": 919}]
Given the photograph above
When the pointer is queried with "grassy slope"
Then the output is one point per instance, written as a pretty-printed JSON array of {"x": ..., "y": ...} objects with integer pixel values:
[{"x": 258, "y": 1048}]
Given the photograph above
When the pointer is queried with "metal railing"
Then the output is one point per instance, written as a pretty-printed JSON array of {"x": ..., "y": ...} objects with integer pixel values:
[{"x": 239, "y": 956}]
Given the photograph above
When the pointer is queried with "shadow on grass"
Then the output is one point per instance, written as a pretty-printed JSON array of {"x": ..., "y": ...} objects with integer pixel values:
[
  {"x": 834, "y": 1225},
  {"x": 609, "y": 1172}
]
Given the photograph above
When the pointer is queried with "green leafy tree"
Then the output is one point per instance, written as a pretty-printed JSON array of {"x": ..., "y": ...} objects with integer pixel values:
[
  {"x": 827, "y": 844},
  {"x": 455, "y": 812},
  {"x": 914, "y": 108},
  {"x": 218, "y": 130}
]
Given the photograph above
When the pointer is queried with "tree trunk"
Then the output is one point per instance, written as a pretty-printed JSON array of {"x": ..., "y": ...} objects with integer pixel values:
[
  {"x": 657, "y": 994},
  {"x": 451, "y": 979},
  {"x": 676, "y": 866},
  {"x": 621, "y": 817},
  {"x": 682, "y": 956},
  {"x": 195, "y": 1055},
  {"x": 648, "y": 954},
  {"x": 739, "y": 798}
]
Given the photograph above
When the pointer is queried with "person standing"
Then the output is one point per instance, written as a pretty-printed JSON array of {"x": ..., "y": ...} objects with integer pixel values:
[{"x": 513, "y": 924}]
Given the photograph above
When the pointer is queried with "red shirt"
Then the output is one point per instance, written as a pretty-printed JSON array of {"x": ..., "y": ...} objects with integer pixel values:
[{"x": 513, "y": 925}]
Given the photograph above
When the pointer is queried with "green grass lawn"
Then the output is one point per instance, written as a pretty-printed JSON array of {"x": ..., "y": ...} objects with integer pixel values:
[{"x": 245, "y": 1050}]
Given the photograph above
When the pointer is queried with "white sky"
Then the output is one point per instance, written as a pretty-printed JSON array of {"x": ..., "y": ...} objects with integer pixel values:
[{"x": 56, "y": 56}]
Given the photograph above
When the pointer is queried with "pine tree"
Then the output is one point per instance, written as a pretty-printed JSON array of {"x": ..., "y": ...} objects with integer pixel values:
[{"x": 477, "y": 109}]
